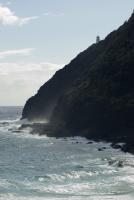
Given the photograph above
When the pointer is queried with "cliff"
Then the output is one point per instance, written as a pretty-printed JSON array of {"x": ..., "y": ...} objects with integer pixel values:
[
  {"x": 41, "y": 106},
  {"x": 94, "y": 94}
]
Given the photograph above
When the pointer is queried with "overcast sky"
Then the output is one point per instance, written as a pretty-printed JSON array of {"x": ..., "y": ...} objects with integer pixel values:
[{"x": 38, "y": 37}]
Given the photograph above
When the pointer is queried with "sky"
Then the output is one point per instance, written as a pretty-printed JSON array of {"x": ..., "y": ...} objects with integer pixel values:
[{"x": 38, "y": 37}]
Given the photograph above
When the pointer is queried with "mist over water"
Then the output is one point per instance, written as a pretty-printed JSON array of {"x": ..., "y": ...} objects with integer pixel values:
[{"x": 41, "y": 168}]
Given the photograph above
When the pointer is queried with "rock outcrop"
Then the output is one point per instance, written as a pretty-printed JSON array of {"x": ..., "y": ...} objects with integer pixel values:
[{"x": 93, "y": 95}]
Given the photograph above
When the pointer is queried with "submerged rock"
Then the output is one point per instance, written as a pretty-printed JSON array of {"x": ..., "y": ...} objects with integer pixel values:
[
  {"x": 90, "y": 142},
  {"x": 118, "y": 163},
  {"x": 102, "y": 149}
]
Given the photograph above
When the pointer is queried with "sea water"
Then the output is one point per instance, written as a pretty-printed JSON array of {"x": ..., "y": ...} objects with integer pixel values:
[{"x": 36, "y": 167}]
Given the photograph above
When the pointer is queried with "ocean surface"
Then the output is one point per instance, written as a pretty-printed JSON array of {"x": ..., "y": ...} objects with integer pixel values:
[{"x": 36, "y": 167}]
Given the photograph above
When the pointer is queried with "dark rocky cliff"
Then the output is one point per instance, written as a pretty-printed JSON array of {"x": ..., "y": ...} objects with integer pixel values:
[{"x": 95, "y": 92}]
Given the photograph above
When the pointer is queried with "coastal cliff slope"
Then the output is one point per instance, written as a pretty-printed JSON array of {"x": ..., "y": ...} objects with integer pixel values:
[{"x": 94, "y": 94}]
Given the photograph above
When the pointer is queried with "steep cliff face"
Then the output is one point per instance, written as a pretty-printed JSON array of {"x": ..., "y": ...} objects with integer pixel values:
[{"x": 95, "y": 92}]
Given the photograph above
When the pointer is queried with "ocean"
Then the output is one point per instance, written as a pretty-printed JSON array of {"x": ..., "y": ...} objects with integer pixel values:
[{"x": 36, "y": 167}]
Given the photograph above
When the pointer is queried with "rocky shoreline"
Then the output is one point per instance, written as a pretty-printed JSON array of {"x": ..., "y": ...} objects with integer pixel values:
[{"x": 125, "y": 143}]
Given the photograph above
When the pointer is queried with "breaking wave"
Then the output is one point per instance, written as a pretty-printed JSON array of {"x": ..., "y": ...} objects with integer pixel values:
[{"x": 43, "y": 168}]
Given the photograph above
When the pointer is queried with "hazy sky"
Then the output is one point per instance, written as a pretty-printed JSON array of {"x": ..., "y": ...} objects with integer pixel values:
[{"x": 37, "y": 37}]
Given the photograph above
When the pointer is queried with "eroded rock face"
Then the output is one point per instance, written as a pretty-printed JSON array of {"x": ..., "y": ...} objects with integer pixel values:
[{"x": 95, "y": 92}]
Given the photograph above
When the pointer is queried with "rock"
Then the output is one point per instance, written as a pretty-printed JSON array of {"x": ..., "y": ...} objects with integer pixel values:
[
  {"x": 117, "y": 163},
  {"x": 92, "y": 96},
  {"x": 111, "y": 162},
  {"x": 90, "y": 142},
  {"x": 116, "y": 146},
  {"x": 120, "y": 164},
  {"x": 100, "y": 149}
]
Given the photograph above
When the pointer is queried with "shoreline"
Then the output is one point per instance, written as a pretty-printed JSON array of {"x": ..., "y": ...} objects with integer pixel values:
[{"x": 124, "y": 143}]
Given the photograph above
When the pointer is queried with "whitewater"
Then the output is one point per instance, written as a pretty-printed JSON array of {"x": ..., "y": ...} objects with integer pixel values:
[{"x": 36, "y": 167}]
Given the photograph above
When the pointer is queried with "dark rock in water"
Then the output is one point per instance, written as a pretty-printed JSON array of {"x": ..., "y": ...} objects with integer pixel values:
[
  {"x": 90, "y": 142},
  {"x": 104, "y": 148},
  {"x": 117, "y": 163},
  {"x": 129, "y": 146},
  {"x": 120, "y": 164},
  {"x": 116, "y": 146},
  {"x": 44, "y": 129},
  {"x": 101, "y": 149},
  {"x": 111, "y": 162},
  {"x": 93, "y": 96}
]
